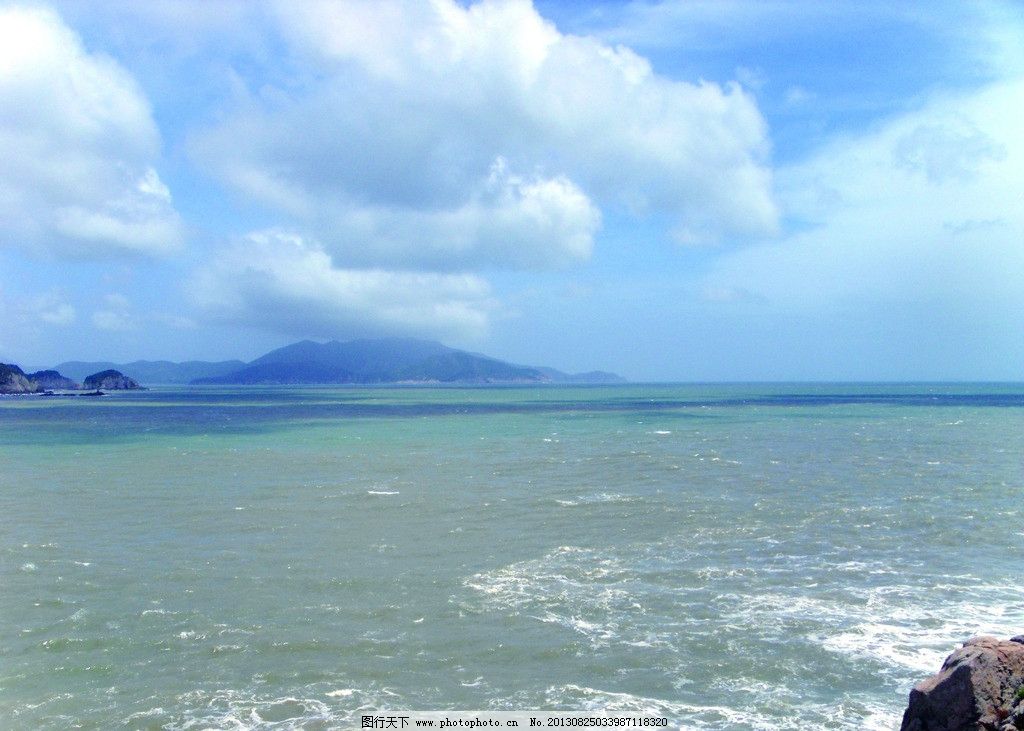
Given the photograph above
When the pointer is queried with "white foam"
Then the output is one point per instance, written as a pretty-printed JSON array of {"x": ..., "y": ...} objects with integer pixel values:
[
  {"x": 382, "y": 492},
  {"x": 225, "y": 649},
  {"x": 597, "y": 499},
  {"x": 237, "y": 710},
  {"x": 655, "y": 598},
  {"x": 889, "y": 624},
  {"x": 749, "y": 713},
  {"x": 157, "y": 711}
]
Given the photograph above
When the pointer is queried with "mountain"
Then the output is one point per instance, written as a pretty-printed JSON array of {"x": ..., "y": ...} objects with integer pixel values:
[
  {"x": 387, "y": 360},
  {"x": 152, "y": 371},
  {"x": 590, "y": 377}
]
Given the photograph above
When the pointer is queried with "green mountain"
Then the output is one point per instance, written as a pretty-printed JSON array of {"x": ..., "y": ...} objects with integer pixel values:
[{"x": 388, "y": 360}]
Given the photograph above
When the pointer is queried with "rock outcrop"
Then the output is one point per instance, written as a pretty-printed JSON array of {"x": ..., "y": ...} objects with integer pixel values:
[
  {"x": 14, "y": 380},
  {"x": 52, "y": 381},
  {"x": 109, "y": 380},
  {"x": 979, "y": 688}
]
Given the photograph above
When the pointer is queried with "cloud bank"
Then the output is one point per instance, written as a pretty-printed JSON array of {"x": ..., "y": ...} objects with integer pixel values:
[
  {"x": 282, "y": 281},
  {"x": 912, "y": 233},
  {"x": 438, "y": 136},
  {"x": 79, "y": 145}
]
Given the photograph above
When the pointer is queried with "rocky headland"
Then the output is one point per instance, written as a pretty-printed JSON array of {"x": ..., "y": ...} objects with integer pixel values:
[
  {"x": 979, "y": 688},
  {"x": 13, "y": 380},
  {"x": 53, "y": 381}
]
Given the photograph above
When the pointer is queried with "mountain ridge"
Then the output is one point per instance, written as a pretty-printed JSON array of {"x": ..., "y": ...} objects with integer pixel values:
[
  {"x": 361, "y": 361},
  {"x": 374, "y": 361},
  {"x": 151, "y": 371}
]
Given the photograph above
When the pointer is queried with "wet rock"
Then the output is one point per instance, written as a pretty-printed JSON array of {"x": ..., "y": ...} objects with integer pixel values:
[{"x": 977, "y": 689}]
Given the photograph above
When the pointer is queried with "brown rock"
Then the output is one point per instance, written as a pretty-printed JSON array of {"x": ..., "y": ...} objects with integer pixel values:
[{"x": 974, "y": 691}]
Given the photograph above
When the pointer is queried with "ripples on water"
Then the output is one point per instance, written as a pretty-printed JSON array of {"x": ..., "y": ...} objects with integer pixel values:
[{"x": 732, "y": 557}]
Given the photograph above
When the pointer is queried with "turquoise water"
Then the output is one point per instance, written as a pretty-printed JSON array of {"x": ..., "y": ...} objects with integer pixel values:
[{"x": 735, "y": 557}]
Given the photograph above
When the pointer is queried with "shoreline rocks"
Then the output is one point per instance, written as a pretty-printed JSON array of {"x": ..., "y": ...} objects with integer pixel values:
[{"x": 979, "y": 688}]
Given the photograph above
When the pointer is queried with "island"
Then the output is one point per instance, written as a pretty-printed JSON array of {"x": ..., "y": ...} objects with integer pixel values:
[
  {"x": 110, "y": 380},
  {"x": 390, "y": 361},
  {"x": 13, "y": 380},
  {"x": 379, "y": 361}
]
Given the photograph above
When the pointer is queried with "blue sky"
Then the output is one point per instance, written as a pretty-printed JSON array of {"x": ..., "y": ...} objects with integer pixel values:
[{"x": 678, "y": 190}]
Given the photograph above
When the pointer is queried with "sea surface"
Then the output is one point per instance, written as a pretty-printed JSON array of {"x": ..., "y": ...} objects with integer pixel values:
[{"x": 734, "y": 557}]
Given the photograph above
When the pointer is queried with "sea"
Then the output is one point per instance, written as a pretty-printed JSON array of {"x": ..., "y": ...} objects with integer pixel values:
[{"x": 745, "y": 556}]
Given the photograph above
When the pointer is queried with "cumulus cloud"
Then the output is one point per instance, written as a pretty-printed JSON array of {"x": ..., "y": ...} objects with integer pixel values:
[
  {"x": 79, "y": 144},
  {"x": 280, "y": 280},
  {"x": 452, "y": 137}
]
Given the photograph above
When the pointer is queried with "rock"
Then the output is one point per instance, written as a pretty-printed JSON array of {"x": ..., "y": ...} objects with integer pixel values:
[
  {"x": 110, "y": 380},
  {"x": 976, "y": 690},
  {"x": 52, "y": 380},
  {"x": 14, "y": 380}
]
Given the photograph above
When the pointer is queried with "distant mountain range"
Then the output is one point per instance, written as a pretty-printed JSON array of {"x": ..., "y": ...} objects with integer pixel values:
[
  {"x": 152, "y": 371},
  {"x": 388, "y": 360}
]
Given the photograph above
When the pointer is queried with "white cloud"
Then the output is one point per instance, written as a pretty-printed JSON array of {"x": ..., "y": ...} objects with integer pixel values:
[
  {"x": 50, "y": 308},
  {"x": 508, "y": 221},
  {"x": 919, "y": 218},
  {"x": 62, "y": 314},
  {"x": 389, "y": 153},
  {"x": 951, "y": 148},
  {"x": 178, "y": 322},
  {"x": 281, "y": 281},
  {"x": 116, "y": 315},
  {"x": 31, "y": 318},
  {"x": 78, "y": 144}
]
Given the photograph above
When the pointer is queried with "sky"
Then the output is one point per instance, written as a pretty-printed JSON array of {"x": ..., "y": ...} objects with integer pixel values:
[{"x": 685, "y": 190}]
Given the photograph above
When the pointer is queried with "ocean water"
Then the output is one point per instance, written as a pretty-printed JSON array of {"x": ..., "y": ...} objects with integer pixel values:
[{"x": 734, "y": 557}]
